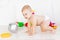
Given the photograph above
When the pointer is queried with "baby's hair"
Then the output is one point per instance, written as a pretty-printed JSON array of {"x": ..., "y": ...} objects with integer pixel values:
[{"x": 26, "y": 7}]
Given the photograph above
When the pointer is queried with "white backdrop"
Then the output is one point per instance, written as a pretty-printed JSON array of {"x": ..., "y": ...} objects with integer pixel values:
[
  {"x": 10, "y": 10},
  {"x": 56, "y": 7},
  {"x": 7, "y": 12}
]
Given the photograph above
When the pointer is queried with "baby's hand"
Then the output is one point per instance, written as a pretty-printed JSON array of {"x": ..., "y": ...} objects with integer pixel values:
[
  {"x": 27, "y": 31},
  {"x": 30, "y": 33}
]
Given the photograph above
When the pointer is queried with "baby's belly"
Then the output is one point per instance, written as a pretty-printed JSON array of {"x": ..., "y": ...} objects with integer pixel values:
[{"x": 39, "y": 22}]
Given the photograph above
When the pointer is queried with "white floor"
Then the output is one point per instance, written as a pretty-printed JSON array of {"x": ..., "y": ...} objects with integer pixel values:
[{"x": 21, "y": 35}]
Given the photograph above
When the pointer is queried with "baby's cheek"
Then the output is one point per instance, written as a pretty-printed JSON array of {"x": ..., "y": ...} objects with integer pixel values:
[{"x": 30, "y": 15}]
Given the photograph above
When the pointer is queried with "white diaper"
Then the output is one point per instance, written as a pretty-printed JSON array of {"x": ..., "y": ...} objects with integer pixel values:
[{"x": 46, "y": 17}]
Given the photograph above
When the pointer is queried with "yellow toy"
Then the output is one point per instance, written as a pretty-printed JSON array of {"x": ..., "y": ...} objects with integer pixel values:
[
  {"x": 5, "y": 35},
  {"x": 54, "y": 27}
]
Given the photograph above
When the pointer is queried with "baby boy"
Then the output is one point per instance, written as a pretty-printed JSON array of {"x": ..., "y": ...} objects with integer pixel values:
[{"x": 35, "y": 20}]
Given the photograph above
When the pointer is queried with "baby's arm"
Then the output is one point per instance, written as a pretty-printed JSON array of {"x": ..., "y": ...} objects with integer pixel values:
[{"x": 31, "y": 26}]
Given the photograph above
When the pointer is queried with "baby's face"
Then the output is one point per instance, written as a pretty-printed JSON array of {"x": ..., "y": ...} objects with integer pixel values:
[{"x": 27, "y": 13}]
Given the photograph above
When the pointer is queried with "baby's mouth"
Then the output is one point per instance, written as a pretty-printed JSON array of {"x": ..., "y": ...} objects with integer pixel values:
[{"x": 26, "y": 17}]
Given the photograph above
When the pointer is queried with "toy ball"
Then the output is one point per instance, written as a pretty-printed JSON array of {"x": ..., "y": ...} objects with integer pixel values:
[
  {"x": 26, "y": 24},
  {"x": 13, "y": 27},
  {"x": 20, "y": 24}
]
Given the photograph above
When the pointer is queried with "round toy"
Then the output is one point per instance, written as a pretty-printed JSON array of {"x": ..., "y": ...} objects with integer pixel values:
[
  {"x": 20, "y": 24},
  {"x": 5, "y": 35},
  {"x": 13, "y": 27},
  {"x": 26, "y": 24}
]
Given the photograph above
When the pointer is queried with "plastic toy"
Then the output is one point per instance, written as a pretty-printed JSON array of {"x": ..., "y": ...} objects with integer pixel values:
[
  {"x": 13, "y": 27},
  {"x": 5, "y": 35},
  {"x": 20, "y": 24},
  {"x": 26, "y": 24},
  {"x": 53, "y": 25}
]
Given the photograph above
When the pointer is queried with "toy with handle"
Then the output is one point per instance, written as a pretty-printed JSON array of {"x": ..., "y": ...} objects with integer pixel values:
[{"x": 13, "y": 27}]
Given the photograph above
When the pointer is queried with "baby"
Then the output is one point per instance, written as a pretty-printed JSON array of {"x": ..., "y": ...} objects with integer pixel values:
[{"x": 35, "y": 20}]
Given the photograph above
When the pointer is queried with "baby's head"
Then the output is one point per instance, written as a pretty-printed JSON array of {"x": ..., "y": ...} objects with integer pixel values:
[{"x": 27, "y": 11}]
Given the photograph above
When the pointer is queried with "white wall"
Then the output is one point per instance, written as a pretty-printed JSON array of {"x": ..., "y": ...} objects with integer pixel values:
[
  {"x": 10, "y": 10},
  {"x": 56, "y": 8},
  {"x": 7, "y": 11}
]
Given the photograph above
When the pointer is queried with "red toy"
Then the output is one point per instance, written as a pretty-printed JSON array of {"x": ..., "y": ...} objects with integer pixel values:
[
  {"x": 53, "y": 25},
  {"x": 26, "y": 24}
]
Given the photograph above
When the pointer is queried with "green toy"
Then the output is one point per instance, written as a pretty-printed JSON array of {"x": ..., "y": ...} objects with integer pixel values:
[{"x": 20, "y": 24}]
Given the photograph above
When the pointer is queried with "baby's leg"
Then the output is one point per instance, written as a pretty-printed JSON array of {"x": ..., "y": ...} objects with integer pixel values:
[{"x": 45, "y": 26}]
